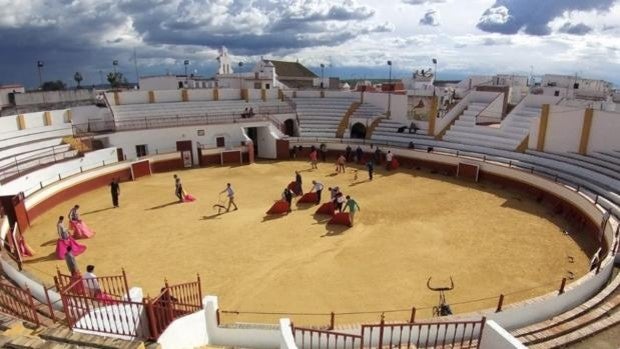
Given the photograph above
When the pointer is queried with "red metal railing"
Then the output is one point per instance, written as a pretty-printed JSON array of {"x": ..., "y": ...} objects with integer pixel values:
[
  {"x": 18, "y": 302},
  {"x": 172, "y": 303},
  {"x": 308, "y": 338},
  {"x": 461, "y": 334}
]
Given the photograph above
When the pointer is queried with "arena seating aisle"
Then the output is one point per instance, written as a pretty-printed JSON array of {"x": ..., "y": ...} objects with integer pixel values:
[
  {"x": 320, "y": 117},
  {"x": 185, "y": 109},
  {"x": 387, "y": 130}
]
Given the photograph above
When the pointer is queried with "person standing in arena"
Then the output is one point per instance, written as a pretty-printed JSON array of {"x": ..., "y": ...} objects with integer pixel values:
[
  {"x": 323, "y": 149},
  {"x": 298, "y": 188},
  {"x": 178, "y": 187},
  {"x": 313, "y": 159},
  {"x": 340, "y": 164},
  {"x": 388, "y": 159},
  {"x": 231, "y": 196},
  {"x": 287, "y": 195},
  {"x": 371, "y": 168},
  {"x": 317, "y": 187},
  {"x": 115, "y": 190},
  {"x": 359, "y": 153},
  {"x": 353, "y": 207}
]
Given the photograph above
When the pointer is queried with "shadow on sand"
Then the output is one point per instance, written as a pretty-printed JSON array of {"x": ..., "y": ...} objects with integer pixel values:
[{"x": 164, "y": 205}]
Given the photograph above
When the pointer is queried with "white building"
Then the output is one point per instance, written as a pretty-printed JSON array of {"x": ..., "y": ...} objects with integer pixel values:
[
  {"x": 6, "y": 90},
  {"x": 174, "y": 82},
  {"x": 575, "y": 87}
]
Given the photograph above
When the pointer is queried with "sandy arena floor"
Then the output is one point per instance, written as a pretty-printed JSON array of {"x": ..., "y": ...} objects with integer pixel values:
[{"x": 413, "y": 225}]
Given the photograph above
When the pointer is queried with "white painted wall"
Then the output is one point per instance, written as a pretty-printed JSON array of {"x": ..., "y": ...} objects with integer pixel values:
[
  {"x": 266, "y": 139},
  {"x": 564, "y": 129},
  {"x": 197, "y": 95},
  {"x": 493, "y": 112},
  {"x": 163, "y": 140},
  {"x": 494, "y": 336},
  {"x": 398, "y": 104},
  {"x": 604, "y": 132},
  {"x": 82, "y": 114},
  {"x": 164, "y": 96},
  {"x": 39, "y": 97},
  {"x": 226, "y": 94}
]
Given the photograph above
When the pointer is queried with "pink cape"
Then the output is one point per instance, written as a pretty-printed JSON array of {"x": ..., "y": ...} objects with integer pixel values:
[
  {"x": 81, "y": 230},
  {"x": 61, "y": 248},
  {"x": 188, "y": 198}
]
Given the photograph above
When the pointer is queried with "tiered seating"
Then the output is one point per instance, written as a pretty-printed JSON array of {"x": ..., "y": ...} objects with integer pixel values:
[
  {"x": 20, "y": 154},
  {"x": 366, "y": 110},
  {"x": 189, "y": 109},
  {"x": 600, "y": 312},
  {"x": 320, "y": 117},
  {"x": 509, "y": 135},
  {"x": 387, "y": 131}
]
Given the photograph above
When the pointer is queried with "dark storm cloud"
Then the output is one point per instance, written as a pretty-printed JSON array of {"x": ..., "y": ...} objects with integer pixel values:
[
  {"x": 533, "y": 16},
  {"x": 575, "y": 29},
  {"x": 89, "y": 34}
]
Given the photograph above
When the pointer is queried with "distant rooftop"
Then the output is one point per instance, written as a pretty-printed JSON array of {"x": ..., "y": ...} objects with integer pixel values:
[{"x": 291, "y": 69}]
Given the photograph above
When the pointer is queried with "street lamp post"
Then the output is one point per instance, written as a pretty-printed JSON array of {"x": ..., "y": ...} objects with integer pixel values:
[
  {"x": 185, "y": 64},
  {"x": 389, "y": 108},
  {"x": 40, "y": 65},
  {"x": 114, "y": 64},
  {"x": 322, "y": 74},
  {"x": 435, "y": 78},
  {"x": 240, "y": 83}
]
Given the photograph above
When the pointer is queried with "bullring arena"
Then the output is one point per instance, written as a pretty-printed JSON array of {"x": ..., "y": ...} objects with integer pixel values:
[{"x": 527, "y": 237}]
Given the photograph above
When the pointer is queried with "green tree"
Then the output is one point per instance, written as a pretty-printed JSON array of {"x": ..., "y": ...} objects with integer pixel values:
[
  {"x": 53, "y": 86},
  {"x": 116, "y": 79},
  {"x": 78, "y": 78}
]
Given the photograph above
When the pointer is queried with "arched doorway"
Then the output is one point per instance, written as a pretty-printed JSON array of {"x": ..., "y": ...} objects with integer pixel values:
[
  {"x": 358, "y": 131},
  {"x": 289, "y": 127}
]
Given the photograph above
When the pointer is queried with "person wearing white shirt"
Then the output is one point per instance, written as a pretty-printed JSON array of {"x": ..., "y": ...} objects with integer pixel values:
[
  {"x": 231, "y": 196},
  {"x": 317, "y": 187},
  {"x": 90, "y": 280}
]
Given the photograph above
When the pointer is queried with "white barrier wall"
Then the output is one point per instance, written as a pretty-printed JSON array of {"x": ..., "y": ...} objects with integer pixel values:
[
  {"x": 227, "y": 94},
  {"x": 83, "y": 114},
  {"x": 165, "y": 96},
  {"x": 494, "y": 336},
  {"x": 200, "y": 95},
  {"x": 39, "y": 97},
  {"x": 162, "y": 140},
  {"x": 564, "y": 129},
  {"x": 604, "y": 132},
  {"x": 266, "y": 139},
  {"x": 398, "y": 104}
]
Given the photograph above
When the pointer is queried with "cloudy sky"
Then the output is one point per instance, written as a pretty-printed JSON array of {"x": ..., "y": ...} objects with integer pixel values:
[{"x": 353, "y": 38}]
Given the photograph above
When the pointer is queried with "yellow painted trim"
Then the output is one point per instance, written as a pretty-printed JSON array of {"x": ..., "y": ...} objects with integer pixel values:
[
  {"x": 542, "y": 127},
  {"x": 21, "y": 122},
  {"x": 522, "y": 147},
  {"x": 184, "y": 95},
  {"x": 69, "y": 116},
  {"x": 585, "y": 131},
  {"x": 216, "y": 94},
  {"x": 117, "y": 98},
  {"x": 263, "y": 95},
  {"x": 432, "y": 115},
  {"x": 47, "y": 118},
  {"x": 245, "y": 95},
  {"x": 151, "y": 96}
]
